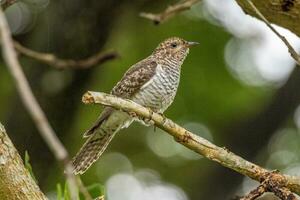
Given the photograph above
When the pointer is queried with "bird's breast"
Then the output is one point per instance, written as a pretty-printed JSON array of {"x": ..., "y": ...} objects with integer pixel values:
[{"x": 159, "y": 92}]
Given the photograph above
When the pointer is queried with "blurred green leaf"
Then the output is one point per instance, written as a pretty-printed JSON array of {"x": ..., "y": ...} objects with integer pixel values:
[
  {"x": 59, "y": 191},
  {"x": 66, "y": 192},
  {"x": 63, "y": 194},
  {"x": 28, "y": 166}
]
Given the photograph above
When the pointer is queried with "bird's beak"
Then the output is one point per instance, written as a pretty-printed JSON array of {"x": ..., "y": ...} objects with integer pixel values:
[{"x": 191, "y": 44}]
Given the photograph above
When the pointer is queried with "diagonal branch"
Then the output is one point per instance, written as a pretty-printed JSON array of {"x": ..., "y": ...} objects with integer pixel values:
[
  {"x": 171, "y": 11},
  {"x": 52, "y": 60},
  {"x": 31, "y": 104},
  {"x": 198, "y": 144}
]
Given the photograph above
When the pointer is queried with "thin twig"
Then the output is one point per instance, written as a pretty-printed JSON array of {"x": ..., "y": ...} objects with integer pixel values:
[
  {"x": 31, "y": 104},
  {"x": 257, "y": 192},
  {"x": 292, "y": 51},
  {"x": 198, "y": 144},
  {"x": 171, "y": 11},
  {"x": 83, "y": 189},
  {"x": 59, "y": 63}
]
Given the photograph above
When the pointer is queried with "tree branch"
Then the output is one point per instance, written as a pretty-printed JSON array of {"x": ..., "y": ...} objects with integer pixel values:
[
  {"x": 15, "y": 180},
  {"x": 31, "y": 104},
  {"x": 207, "y": 149},
  {"x": 170, "y": 11},
  {"x": 52, "y": 60}
]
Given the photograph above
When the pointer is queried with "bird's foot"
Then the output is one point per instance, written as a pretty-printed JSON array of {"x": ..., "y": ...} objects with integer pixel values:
[
  {"x": 147, "y": 121},
  {"x": 133, "y": 114},
  {"x": 163, "y": 116},
  {"x": 164, "y": 119}
]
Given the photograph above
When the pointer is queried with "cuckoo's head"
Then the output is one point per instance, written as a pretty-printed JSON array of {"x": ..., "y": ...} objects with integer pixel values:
[{"x": 174, "y": 48}]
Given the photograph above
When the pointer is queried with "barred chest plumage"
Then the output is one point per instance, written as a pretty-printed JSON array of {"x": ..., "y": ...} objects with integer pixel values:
[{"x": 159, "y": 92}]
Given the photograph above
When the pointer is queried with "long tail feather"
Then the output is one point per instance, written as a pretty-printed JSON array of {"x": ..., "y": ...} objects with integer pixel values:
[
  {"x": 91, "y": 151},
  {"x": 99, "y": 136}
]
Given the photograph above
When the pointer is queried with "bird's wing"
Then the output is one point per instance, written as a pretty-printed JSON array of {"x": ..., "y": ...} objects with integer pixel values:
[{"x": 136, "y": 76}]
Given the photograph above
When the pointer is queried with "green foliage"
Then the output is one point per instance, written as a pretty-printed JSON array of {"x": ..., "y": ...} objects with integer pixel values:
[
  {"x": 62, "y": 194},
  {"x": 95, "y": 190},
  {"x": 66, "y": 192},
  {"x": 28, "y": 166},
  {"x": 59, "y": 191}
]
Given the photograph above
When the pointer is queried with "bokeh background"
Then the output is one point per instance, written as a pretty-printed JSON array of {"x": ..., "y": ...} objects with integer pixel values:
[{"x": 239, "y": 89}]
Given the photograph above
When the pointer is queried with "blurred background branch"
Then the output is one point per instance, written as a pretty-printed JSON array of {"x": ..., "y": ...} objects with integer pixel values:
[
  {"x": 170, "y": 11},
  {"x": 6, "y": 3},
  {"x": 52, "y": 60},
  {"x": 15, "y": 180},
  {"x": 200, "y": 145}
]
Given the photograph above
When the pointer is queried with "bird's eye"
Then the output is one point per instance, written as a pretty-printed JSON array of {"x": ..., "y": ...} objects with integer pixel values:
[{"x": 174, "y": 45}]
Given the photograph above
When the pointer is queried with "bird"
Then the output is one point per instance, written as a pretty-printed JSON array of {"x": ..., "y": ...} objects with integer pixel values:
[{"x": 151, "y": 82}]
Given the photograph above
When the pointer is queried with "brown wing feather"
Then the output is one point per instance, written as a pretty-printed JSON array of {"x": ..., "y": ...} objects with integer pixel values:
[
  {"x": 135, "y": 78},
  {"x": 132, "y": 81}
]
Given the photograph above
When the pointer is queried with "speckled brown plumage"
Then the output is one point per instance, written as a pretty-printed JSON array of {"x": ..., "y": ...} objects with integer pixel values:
[{"x": 152, "y": 82}]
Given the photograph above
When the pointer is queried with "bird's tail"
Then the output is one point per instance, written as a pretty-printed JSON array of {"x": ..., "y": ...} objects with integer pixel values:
[{"x": 91, "y": 150}]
